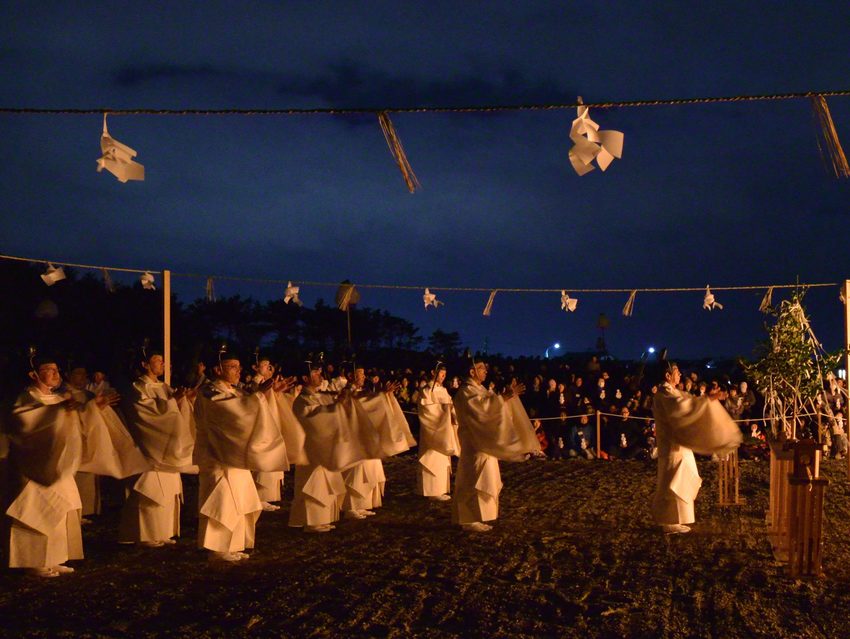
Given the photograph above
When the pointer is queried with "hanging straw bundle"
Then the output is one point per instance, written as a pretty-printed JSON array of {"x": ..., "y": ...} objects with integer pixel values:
[
  {"x": 830, "y": 138},
  {"x": 397, "y": 152}
]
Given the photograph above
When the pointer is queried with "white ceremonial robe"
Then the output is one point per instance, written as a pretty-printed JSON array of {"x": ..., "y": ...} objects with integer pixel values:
[
  {"x": 108, "y": 449},
  {"x": 237, "y": 432},
  {"x": 683, "y": 424},
  {"x": 328, "y": 441},
  {"x": 164, "y": 430},
  {"x": 365, "y": 482},
  {"x": 438, "y": 441},
  {"x": 45, "y": 451},
  {"x": 490, "y": 428}
]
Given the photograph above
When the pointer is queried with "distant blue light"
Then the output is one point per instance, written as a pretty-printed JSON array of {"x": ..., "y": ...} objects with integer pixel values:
[
  {"x": 557, "y": 345},
  {"x": 651, "y": 350}
]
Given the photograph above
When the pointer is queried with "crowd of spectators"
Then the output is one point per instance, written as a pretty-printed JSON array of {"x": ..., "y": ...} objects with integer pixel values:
[{"x": 563, "y": 402}]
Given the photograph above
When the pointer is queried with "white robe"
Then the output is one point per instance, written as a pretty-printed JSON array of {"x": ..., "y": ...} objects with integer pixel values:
[
  {"x": 108, "y": 449},
  {"x": 683, "y": 424},
  {"x": 490, "y": 428},
  {"x": 164, "y": 430},
  {"x": 45, "y": 452},
  {"x": 438, "y": 441},
  {"x": 237, "y": 432},
  {"x": 365, "y": 482},
  {"x": 327, "y": 441}
]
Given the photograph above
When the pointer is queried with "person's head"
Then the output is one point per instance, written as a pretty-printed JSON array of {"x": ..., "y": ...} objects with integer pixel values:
[
  {"x": 45, "y": 374},
  {"x": 561, "y": 388},
  {"x": 563, "y": 416},
  {"x": 601, "y": 382},
  {"x": 583, "y": 420},
  {"x": 579, "y": 381},
  {"x": 624, "y": 411},
  {"x": 553, "y": 384},
  {"x": 672, "y": 375},
  {"x": 78, "y": 377},
  {"x": 264, "y": 368},
  {"x": 743, "y": 387},
  {"x": 733, "y": 392},
  {"x": 359, "y": 376},
  {"x": 154, "y": 365},
  {"x": 440, "y": 375},
  {"x": 229, "y": 370},
  {"x": 689, "y": 383},
  {"x": 478, "y": 372},
  {"x": 99, "y": 377}
]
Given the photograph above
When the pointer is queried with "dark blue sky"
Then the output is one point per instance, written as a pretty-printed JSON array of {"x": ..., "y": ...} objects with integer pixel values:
[{"x": 726, "y": 194}]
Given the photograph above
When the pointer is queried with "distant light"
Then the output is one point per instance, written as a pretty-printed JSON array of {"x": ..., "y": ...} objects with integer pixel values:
[
  {"x": 842, "y": 373},
  {"x": 651, "y": 350},
  {"x": 556, "y": 345}
]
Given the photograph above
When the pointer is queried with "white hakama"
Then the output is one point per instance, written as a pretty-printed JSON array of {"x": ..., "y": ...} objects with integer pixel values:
[
  {"x": 45, "y": 451},
  {"x": 683, "y": 424},
  {"x": 490, "y": 428},
  {"x": 438, "y": 441}
]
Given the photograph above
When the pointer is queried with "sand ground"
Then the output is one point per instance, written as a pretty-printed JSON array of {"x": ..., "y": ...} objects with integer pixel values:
[{"x": 572, "y": 555}]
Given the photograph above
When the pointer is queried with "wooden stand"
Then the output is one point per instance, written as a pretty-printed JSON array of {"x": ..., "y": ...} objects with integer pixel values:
[
  {"x": 781, "y": 465},
  {"x": 806, "y": 521},
  {"x": 728, "y": 480}
]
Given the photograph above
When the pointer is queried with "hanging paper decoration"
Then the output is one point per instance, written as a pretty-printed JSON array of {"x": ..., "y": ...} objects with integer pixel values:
[
  {"x": 291, "y": 294},
  {"x": 147, "y": 281},
  {"x": 630, "y": 304},
  {"x": 568, "y": 304},
  {"x": 210, "y": 290},
  {"x": 589, "y": 143},
  {"x": 829, "y": 133},
  {"x": 767, "y": 301},
  {"x": 107, "y": 281},
  {"x": 431, "y": 300},
  {"x": 489, "y": 307},
  {"x": 397, "y": 152},
  {"x": 117, "y": 158},
  {"x": 346, "y": 295},
  {"x": 53, "y": 274},
  {"x": 709, "y": 302}
]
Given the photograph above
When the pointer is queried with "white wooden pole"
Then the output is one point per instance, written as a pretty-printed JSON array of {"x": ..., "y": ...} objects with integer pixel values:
[{"x": 166, "y": 324}]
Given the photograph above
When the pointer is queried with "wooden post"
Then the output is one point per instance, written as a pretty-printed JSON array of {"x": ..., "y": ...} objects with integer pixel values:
[
  {"x": 805, "y": 548},
  {"x": 598, "y": 433},
  {"x": 728, "y": 480},
  {"x": 847, "y": 354},
  {"x": 781, "y": 465},
  {"x": 166, "y": 324}
]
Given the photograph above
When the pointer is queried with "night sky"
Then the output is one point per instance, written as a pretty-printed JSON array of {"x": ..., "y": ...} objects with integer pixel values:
[{"x": 728, "y": 194}]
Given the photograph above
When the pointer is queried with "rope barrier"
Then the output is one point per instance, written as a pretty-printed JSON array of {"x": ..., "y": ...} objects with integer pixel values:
[
  {"x": 770, "y": 97},
  {"x": 418, "y": 287}
]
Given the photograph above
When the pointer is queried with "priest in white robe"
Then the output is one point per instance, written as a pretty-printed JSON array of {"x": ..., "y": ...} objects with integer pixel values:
[
  {"x": 160, "y": 420},
  {"x": 491, "y": 427},
  {"x": 438, "y": 439},
  {"x": 268, "y": 484},
  {"x": 685, "y": 423},
  {"x": 365, "y": 482},
  {"x": 108, "y": 448},
  {"x": 43, "y": 529},
  {"x": 329, "y": 441},
  {"x": 238, "y": 432}
]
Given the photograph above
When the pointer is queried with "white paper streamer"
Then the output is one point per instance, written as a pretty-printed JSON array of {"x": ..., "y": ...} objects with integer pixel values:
[
  {"x": 708, "y": 302},
  {"x": 431, "y": 300},
  {"x": 117, "y": 158},
  {"x": 489, "y": 307},
  {"x": 568, "y": 304}
]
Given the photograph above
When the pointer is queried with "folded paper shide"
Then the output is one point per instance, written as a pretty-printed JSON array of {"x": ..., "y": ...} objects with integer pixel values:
[
  {"x": 117, "y": 158},
  {"x": 589, "y": 143},
  {"x": 430, "y": 300},
  {"x": 291, "y": 294},
  {"x": 53, "y": 274},
  {"x": 708, "y": 302},
  {"x": 568, "y": 304},
  {"x": 147, "y": 281}
]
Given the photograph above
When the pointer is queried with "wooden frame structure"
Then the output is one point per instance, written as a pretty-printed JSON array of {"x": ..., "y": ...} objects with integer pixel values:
[{"x": 729, "y": 480}]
